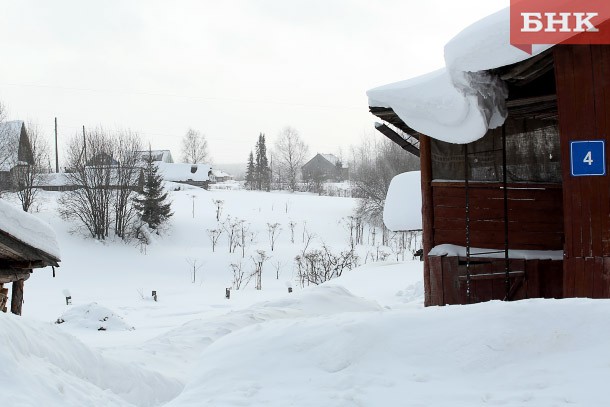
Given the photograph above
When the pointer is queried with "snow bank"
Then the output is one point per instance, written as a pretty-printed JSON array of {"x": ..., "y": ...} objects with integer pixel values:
[
  {"x": 521, "y": 353},
  {"x": 459, "y": 103},
  {"x": 93, "y": 317},
  {"x": 28, "y": 229},
  {"x": 43, "y": 366},
  {"x": 177, "y": 351},
  {"x": 402, "y": 208}
]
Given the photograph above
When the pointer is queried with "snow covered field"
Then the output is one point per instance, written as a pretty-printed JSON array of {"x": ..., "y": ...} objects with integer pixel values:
[{"x": 363, "y": 339}]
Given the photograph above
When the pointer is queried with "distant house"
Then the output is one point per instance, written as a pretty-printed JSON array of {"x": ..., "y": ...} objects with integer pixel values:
[
  {"x": 164, "y": 156},
  {"x": 102, "y": 159},
  {"x": 15, "y": 150},
  {"x": 192, "y": 174},
  {"x": 325, "y": 167},
  {"x": 220, "y": 176}
]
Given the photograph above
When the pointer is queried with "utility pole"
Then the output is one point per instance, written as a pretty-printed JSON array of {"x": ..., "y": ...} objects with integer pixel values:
[
  {"x": 56, "y": 156},
  {"x": 85, "y": 145}
]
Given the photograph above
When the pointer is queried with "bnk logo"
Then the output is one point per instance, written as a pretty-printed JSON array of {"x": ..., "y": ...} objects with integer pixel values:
[{"x": 559, "y": 21}]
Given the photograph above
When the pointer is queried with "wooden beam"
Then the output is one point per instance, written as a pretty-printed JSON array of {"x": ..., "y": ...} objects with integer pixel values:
[
  {"x": 9, "y": 276},
  {"x": 17, "y": 297},
  {"x": 396, "y": 138},
  {"x": 427, "y": 212}
]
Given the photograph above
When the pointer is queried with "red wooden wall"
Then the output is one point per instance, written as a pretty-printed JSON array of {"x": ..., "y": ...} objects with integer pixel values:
[
  {"x": 582, "y": 74},
  {"x": 535, "y": 215}
]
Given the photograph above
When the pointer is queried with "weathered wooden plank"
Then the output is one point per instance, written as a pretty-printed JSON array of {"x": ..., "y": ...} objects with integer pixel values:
[
  {"x": 436, "y": 280},
  {"x": 565, "y": 106},
  {"x": 532, "y": 282},
  {"x": 513, "y": 226},
  {"x": 569, "y": 277},
  {"x": 578, "y": 263},
  {"x": 605, "y": 281},
  {"x": 589, "y": 277},
  {"x": 17, "y": 297},
  {"x": 427, "y": 211},
  {"x": 497, "y": 213},
  {"x": 450, "y": 280},
  {"x": 598, "y": 277}
]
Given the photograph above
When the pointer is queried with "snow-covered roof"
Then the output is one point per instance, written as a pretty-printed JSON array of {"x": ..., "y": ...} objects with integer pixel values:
[
  {"x": 220, "y": 173},
  {"x": 402, "y": 208},
  {"x": 460, "y": 102},
  {"x": 184, "y": 172},
  {"x": 10, "y": 133},
  {"x": 331, "y": 158},
  {"x": 28, "y": 229},
  {"x": 157, "y": 155}
]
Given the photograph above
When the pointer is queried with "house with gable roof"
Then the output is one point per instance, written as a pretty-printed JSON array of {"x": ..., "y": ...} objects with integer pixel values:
[
  {"x": 325, "y": 167},
  {"x": 15, "y": 150}
]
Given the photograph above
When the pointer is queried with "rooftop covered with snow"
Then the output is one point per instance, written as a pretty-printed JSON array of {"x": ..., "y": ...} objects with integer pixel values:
[
  {"x": 178, "y": 172},
  {"x": 25, "y": 238},
  {"x": 461, "y": 101}
]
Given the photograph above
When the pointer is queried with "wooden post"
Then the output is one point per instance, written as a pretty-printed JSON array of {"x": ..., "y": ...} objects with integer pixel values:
[
  {"x": 427, "y": 211},
  {"x": 3, "y": 298},
  {"x": 56, "y": 150},
  {"x": 17, "y": 297}
]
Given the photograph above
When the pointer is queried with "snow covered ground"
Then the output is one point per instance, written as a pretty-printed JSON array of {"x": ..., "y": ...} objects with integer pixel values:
[{"x": 363, "y": 339}]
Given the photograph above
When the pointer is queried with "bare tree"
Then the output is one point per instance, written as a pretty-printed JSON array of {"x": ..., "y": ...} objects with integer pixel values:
[
  {"x": 232, "y": 226},
  {"x": 194, "y": 268},
  {"x": 28, "y": 175},
  {"x": 194, "y": 147},
  {"x": 127, "y": 178},
  {"x": 238, "y": 274},
  {"x": 373, "y": 165},
  {"x": 259, "y": 261},
  {"x": 218, "y": 203},
  {"x": 292, "y": 225},
  {"x": 102, "y": 186},
  {"x": 290, "y": 154},
  {"x": 90, "y": 173},
  {"x": 274, "y": 230},
  {"x": 214, "y": 235}
]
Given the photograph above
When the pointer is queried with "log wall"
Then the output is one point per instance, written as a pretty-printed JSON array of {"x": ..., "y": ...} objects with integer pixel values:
[
  {"x": 535, "y": 215},
  {"x": 582, "y": 74}
]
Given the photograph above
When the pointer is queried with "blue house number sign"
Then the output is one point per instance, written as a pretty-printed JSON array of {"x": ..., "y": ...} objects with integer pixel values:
[{"x": 588, "y": 158}]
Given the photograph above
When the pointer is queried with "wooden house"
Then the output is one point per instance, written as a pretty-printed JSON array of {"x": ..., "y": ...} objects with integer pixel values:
[
  {"x": 26, "y": 244},
  {"x": 157, "y": 156},
  {"x": 325, "y": 167},
  {"x": 520, "y": 209},
  {"x": 15, "y": 150}
]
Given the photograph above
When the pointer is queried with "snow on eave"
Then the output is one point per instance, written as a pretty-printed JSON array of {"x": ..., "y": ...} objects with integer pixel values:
[
  {"x": 461, "y": 102},
  {"x": 28, "y": 229}
]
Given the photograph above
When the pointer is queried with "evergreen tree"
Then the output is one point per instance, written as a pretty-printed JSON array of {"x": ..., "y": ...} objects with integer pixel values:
[
  {"x": 250, "y": 172},
  {"x": 262, "y": 171},
  {"x": 152, "y": 205}
]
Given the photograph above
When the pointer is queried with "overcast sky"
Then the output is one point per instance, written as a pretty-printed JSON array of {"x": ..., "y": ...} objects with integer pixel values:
[{"x": 230, "y": 68}]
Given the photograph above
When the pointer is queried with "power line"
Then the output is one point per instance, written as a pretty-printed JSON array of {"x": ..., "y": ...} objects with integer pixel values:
[{"x": 175, "y": 95}]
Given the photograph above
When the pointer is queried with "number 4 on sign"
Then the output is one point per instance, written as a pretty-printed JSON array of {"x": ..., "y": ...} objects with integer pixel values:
[{"x": 588, "y": 159}]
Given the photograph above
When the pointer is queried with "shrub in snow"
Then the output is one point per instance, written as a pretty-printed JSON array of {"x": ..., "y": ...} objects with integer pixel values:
[{"x": 319, "y": 265}]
